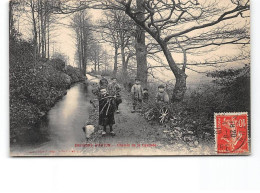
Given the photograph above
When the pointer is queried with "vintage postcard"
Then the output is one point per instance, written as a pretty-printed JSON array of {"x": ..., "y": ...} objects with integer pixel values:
[{"x": 129, "y": 77}]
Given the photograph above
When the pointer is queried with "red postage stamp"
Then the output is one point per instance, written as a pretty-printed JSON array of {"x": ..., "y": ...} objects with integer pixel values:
[{"x": 231, "y": 133}]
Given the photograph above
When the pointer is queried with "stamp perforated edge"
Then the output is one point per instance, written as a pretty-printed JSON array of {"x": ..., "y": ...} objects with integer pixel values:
[{"x": 248, "y": 138}]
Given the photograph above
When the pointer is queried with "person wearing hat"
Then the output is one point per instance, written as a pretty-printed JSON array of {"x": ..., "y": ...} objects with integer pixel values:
[
  {"x": 137, "y": 94},
  {"x": 162, "y": 96},
  {"x": 114, "y": 90}
]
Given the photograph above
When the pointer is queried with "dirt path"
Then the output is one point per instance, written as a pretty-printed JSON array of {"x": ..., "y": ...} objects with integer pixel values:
[{"x": 136, "y": 136}]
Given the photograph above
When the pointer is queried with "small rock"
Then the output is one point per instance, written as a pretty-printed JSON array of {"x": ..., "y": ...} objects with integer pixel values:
[
  {"x": 42, "y": 114},
  {"x": 164, "y": 136},
  {"x": 196, "y": 143}
]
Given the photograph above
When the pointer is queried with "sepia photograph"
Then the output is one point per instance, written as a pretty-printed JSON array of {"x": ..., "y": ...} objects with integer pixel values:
[{"x": 129, "y": 77}]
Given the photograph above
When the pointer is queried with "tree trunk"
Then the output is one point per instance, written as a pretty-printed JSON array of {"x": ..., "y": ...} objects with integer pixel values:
[
  {"x": 115, "y": 60},
  {"x": 35, "y": 54},
  {"x": 85, "y": 42},
  {"x": 82, "y": 41},
  {"x": 180, "y": 86},
  {"x": 39, "y": 30},
  {"x": 42, "y": 30},
  {"x": 184, "y": 60},
  {"x": 141, "y": 52},
  {"x": 79, "y": 51},
  {"x": 124, "y": 66},
  {"x": 95, "y": 66},
  {"x": 48, "y": 42},
  {"x": 98, "y": 60},
  {"x": 11, "y": 19},
  {"x": 45, "y": 29},
  {"x": 84, "y": 68}
]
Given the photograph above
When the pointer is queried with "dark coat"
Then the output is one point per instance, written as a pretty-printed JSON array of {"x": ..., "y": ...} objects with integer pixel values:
[{"x": 107, "y": 107}]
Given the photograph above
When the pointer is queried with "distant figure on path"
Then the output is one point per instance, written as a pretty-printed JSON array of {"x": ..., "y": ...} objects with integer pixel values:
[{"x": 137, "y": 94}]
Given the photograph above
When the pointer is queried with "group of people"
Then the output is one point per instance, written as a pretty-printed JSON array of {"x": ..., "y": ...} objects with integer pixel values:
[
  {"x": 109, "y": 100},
  {"x": 140, "y": 95}
]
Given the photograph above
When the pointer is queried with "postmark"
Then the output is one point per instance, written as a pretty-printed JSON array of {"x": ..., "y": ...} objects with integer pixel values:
[{"x": 231, "y": 133}]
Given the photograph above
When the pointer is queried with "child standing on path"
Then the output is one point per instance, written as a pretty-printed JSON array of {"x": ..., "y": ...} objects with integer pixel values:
[
  {"x": 137, "y": 94},
  {"x": 162, "y": 96},
  {"x": 107, "y": 106},
  {"x": 114, "y": 90}
]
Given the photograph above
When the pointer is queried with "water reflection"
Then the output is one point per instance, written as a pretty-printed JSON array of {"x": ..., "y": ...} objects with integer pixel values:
[
  {"x": 71, "y": 103},
  {"x": 62, "y": 127},
  {"x": 68, "y": 116}
]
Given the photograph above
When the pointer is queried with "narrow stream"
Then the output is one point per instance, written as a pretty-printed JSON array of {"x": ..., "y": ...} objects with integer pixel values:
[{"x": 62, "y": 128}]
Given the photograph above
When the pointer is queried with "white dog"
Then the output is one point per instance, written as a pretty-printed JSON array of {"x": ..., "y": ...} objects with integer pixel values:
[{"x": 88, "y": 130}]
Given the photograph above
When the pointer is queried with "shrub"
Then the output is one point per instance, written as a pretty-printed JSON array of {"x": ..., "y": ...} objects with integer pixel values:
[
  {"x": 58, "y": 64},
  {"x": 74, "y": 73},
  {"x": 107, "y": 73},
  {"x": 235, "y": 83}
]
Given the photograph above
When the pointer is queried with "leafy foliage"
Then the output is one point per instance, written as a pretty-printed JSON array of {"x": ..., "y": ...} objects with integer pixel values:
[
  {"x": 229, "y": 92},
  {"x": 235, "y": 83},
  {"x": 74, "y": 73},
  {"x": 58, "y": 64}
]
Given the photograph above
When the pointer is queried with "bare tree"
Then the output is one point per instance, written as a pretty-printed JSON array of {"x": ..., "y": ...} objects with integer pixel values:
[
  {"x": 182, "y": 19},
  {"x": 141, "y": 52},
  {"x": 119, "y": 33},
  {"x": 110, "y": 34},
  {"x": 39, "y": 14},
  {"x": 16, "y": 8},
  {"x": 203, "y": 44},
  {"x": 81, "y": 25},
  {"x": 167, "y": 20},
  {"x": 97, "y": 56}
]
